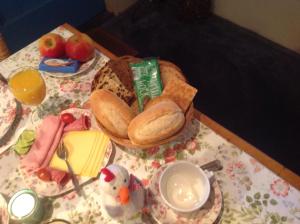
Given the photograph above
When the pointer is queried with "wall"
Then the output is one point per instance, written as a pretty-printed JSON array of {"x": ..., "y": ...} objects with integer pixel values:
[
  {"x": 277, "y": 20},
  {"x": 21, "y": 22}
]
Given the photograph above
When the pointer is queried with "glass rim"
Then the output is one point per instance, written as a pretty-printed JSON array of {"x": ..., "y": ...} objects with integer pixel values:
[{"x": 15, "y": 196}]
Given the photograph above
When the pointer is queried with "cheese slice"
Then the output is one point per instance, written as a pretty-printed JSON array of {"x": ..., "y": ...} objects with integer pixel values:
[
  {"x": 97, "y": 162},
  {"x": 84, "y": 148}
]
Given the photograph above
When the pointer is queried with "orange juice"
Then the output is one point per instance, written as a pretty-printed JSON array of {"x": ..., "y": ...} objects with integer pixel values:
[{"x": 28, "y": 86}]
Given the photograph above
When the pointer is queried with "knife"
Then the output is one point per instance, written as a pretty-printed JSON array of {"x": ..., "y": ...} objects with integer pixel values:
[{"x": 12, "y": 128}]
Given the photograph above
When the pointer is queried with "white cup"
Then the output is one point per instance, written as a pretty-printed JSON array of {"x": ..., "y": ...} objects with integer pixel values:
[{"x": 184, "y": 186}]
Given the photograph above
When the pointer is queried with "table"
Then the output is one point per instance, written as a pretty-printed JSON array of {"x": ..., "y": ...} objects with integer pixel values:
[{"x": 252, "y": 193}]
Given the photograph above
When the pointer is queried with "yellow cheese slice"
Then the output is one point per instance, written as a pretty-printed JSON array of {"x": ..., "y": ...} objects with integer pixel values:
[
  {"x": 89, "y": 164},
  {"x": 83, "y": 148},
  {"x": 95, "y": 165}
]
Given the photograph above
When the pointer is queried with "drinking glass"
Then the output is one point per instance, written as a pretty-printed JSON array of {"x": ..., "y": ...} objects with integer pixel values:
[{"x": 27, "y": 85}]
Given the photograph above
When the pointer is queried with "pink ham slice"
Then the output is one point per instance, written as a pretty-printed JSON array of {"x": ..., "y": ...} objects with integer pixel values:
[{"x": 45, "y": 144}]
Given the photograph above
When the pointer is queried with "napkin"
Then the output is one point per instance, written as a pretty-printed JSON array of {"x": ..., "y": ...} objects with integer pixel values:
[
  {"x": 86, "y": 151},
  {"x": 47, "y": 139}
]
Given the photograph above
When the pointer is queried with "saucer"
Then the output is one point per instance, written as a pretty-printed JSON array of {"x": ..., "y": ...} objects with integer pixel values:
[{"x": 208, "y": 214}]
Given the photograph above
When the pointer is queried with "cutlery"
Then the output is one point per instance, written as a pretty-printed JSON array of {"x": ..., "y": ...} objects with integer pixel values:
[
  {"x": 12, "y": 128},
  {"x": 214, "y": 165},
  {"x": 62, "y": 153}
]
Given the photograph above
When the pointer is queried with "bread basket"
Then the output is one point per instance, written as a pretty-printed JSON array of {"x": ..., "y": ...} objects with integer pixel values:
[{"x": 126, "y": 142}]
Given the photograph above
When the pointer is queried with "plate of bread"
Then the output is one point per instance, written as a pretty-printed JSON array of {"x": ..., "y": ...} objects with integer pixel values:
[{"x": 125, "y": 110}]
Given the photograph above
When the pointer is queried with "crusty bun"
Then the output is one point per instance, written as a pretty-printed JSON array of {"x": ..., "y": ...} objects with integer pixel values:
[
  {"x": 112, "y": 112},
  {"x": 157, "y": 100},
  {"x": 169, "y": 71},
  {"x": 158, "y": 122}
]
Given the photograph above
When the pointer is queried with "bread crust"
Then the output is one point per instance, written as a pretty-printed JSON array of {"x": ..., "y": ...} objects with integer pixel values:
[
  {"x": 158, "y": 122},
  {"x": 112, "y": 112}
]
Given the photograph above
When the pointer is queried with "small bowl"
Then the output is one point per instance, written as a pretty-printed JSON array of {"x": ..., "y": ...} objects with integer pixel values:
[{"x": 184, "y": 187}]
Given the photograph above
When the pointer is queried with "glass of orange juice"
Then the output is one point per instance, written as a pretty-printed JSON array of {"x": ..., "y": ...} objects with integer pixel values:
[{"x": 27, "y": 85}]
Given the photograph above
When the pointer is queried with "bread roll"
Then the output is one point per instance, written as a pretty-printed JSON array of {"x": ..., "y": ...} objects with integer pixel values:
[
  {"x": 169, "y": 71},
  {"x": 112, "y": 112},
  {"x": 156, "y": 100},
  {"x": 158, "y": 122}
]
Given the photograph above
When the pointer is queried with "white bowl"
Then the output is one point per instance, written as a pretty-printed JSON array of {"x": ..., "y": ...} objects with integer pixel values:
[{"x": 184, "y": 186}]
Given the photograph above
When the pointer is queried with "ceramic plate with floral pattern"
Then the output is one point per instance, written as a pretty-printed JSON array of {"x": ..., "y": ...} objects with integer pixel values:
[
  {"x": 83, "y": 68},
  {"x": 8, "y": 108},
  {"x": 51, "y": 188},
  {"x": 208, "y": 214},
  {"x": 4, "y": 217}
]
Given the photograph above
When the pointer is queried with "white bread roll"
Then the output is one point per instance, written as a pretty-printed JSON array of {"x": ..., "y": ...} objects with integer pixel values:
[
  {"x": 169, "y": 71},
  {"x": 112, "y": 112},
  {"x": 158, "y": 122}
]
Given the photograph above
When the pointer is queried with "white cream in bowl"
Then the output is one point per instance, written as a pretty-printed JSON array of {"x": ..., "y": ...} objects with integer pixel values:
[{"x": 184, "y": 186}]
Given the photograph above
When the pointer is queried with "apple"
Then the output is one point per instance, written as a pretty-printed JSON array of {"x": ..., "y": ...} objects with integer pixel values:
[
  {"x": 80, "y": 47},
  {"x": 52, "y": 45}
]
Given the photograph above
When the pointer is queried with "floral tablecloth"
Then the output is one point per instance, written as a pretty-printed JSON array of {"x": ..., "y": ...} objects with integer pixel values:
[{"x": 251, "y": 192}]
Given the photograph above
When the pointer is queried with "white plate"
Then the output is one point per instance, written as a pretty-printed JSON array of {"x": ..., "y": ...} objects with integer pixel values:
[
  {"x": 4, "y": 216},
  {"x": 82, "y": 69},
  {"x": 208, "y": 214},
  {"x": 51, "y": 188}
]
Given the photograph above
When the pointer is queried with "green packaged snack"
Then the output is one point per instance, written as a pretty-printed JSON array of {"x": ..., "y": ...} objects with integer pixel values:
[{"x": 147, "y": 81}]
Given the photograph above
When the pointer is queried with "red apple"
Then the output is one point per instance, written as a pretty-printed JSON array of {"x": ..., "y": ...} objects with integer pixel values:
[
  {"x": 52, "y": 45},
  {"x": 80, "y": 47}
]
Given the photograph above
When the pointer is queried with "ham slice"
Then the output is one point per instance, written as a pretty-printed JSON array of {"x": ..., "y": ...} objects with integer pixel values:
[{"x": 47, "y": 139}]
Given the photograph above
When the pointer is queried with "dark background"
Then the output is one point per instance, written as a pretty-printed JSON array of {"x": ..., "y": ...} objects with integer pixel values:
[{"x": 246, "y": 83}]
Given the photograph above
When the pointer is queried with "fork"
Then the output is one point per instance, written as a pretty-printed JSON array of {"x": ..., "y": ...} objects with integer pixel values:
[{"x": 62, "y": 153}]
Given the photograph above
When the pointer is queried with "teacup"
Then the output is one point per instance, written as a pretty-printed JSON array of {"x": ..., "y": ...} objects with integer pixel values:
[{"x": 184, "y": 187}]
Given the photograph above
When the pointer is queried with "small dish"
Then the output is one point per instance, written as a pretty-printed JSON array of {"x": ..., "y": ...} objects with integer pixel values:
[
  {"x": 162, "y": 213},
  {"x": 184, "y": 186}
]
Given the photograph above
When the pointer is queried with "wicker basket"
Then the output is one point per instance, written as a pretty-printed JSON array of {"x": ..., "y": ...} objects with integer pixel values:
[{"x": 126, "y": 142}]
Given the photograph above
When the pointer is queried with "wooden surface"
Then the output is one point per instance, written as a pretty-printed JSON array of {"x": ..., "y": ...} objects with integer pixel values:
[{"x": 267, "y": 161}]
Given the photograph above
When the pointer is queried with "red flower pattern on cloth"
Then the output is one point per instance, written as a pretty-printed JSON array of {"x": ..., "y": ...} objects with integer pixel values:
[
  {"x": 84, "y": 87},
  {"x": 11, "y": 114},
  {"x": 191, "y": 145},
  {"x": 68, "y": 86},
  {"x": 145, "y": 182},
  {"x": 280, "y": 187},
  {"x": 170, "y": 155},
  {"x": 257, "y": 166},
  {"x": 155, "y": 164},
  {"x": 235, "y": 168},
  {"x": 153, "y": 150}
]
